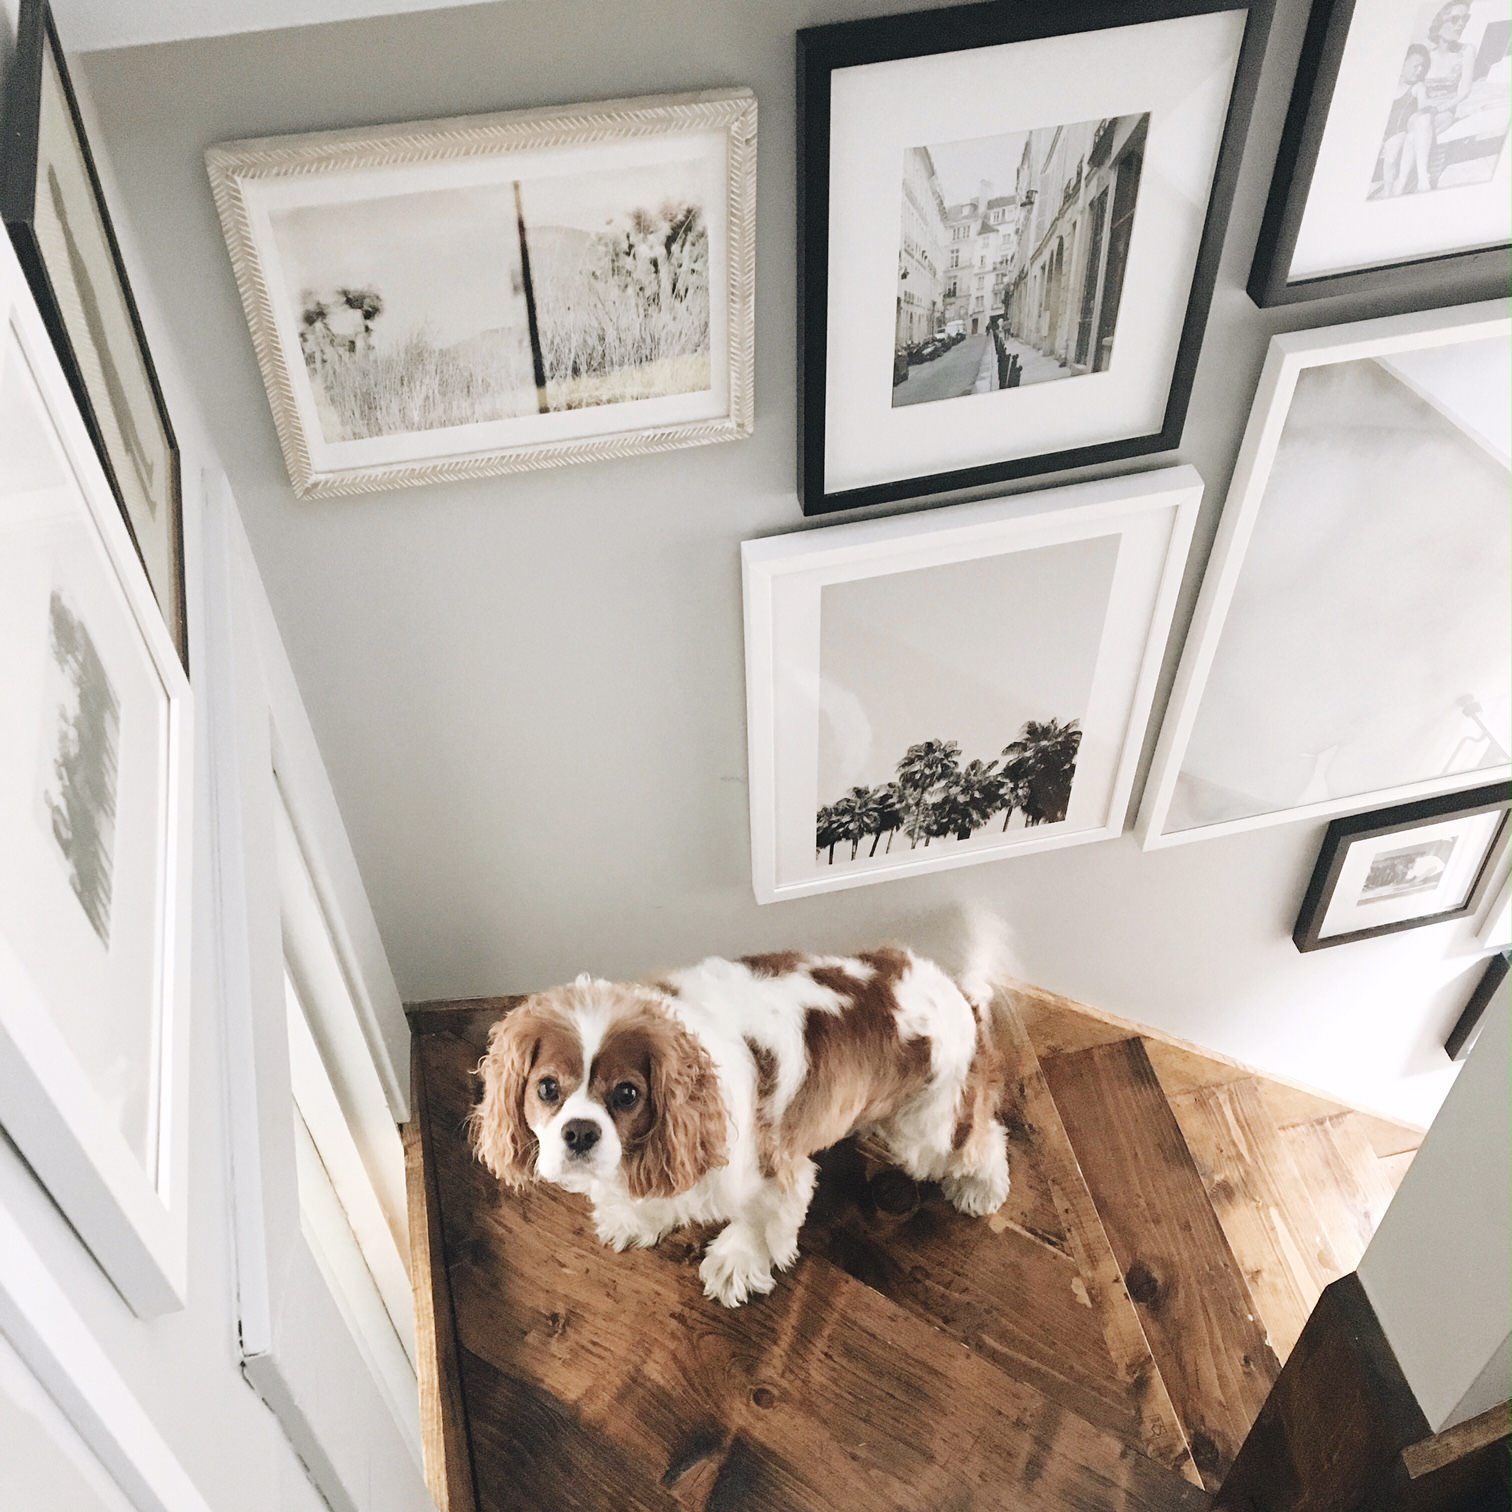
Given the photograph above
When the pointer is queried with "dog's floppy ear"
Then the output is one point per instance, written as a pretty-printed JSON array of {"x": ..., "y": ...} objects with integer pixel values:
[
  {"x": 504, "y": 1142},
  {"x": 688, "y": 1138}
]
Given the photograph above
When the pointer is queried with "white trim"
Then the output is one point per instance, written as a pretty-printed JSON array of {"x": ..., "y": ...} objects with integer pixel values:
[
  {"x": 1288, "y": 356},
  {"x": 1108, "y": 506},
  {"x": 1495, "y": 929},
  {"x": 132, "y": 1219},
  {"x": 57, "y": 1347}
]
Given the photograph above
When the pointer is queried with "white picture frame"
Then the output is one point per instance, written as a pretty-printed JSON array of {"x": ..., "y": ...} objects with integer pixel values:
[
  {"x": 1115, "y": 548},
  {"x": 77, "y": 1396},
  {"x": 122, "y": 1185},
  {"x": 1396, "y": 338},
  {"x": 307, "y": 217}
]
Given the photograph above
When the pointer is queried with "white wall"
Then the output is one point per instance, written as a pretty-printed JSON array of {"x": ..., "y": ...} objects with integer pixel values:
[
  {"x": 1436, "y": 1270},
  {"x": 183, "y": 1368},
  {"x": 529, "y": 690}
]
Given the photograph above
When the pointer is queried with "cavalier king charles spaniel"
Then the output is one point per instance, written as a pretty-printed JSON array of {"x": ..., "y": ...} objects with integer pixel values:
[{"x": 704, "y": 1098}]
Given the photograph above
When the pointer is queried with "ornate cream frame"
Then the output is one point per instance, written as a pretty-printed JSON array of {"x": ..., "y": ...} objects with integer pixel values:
[{"x": 234, "y": 164}]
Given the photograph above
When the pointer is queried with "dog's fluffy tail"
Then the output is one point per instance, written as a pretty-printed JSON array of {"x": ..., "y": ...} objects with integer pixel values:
[{"x": 983, "y": 957}]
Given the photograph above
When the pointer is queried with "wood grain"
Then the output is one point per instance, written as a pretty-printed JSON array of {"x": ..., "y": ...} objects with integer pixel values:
[
  {"x": 1195, "y": 1306},
  {"x": 1237, "y": 1150},
  {"x": 615, "y": 1370},
  {"x": 444, "y": 1441}
]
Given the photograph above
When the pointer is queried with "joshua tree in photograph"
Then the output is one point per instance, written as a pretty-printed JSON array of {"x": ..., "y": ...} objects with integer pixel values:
[{"x": 935, "y": 797}]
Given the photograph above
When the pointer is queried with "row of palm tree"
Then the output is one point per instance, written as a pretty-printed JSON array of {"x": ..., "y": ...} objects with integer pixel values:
[{"x": 934, "y": 797}]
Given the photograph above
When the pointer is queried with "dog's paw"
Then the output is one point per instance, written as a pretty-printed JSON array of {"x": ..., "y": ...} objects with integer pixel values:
[
  {"x": 620, "y": 1231},
  {"x": 735, "y": 1267},
  {"x": 977, "y": 1195},
  {"x": 782, "y": 1241}
]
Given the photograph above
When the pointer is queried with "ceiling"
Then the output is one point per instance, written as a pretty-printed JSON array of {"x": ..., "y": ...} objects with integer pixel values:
[{"x": 92, "y": 25}]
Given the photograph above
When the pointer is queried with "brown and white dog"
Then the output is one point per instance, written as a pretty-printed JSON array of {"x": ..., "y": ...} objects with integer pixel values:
[{"x": 703, "y": 1098}]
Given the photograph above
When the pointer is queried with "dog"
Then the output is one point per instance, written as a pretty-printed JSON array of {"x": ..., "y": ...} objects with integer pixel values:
[{"x": 703, "y": 1098}]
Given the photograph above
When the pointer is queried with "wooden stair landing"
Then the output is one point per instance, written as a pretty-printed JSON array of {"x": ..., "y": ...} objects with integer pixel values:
[{"x": 1103, "y": 1342}]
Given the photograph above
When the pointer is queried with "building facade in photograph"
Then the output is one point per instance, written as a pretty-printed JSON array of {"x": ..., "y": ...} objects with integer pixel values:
[
  {"x": 921, "y": 252},
  {"x": 981, "y": 233},
  {"x": 1076, "y": 188}
]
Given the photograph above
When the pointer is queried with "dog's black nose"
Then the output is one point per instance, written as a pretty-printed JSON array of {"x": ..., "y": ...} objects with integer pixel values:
[{"x": 581, "y": 1135}]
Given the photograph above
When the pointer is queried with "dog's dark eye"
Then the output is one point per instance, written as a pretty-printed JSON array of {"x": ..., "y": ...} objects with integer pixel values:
[
  {"x": 625, "y": 1095},
  {"x": 547, "y": 1089}
]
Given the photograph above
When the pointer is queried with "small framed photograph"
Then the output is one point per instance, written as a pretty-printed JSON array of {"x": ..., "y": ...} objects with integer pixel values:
[
  {"x": 452, "y": 299},
  {"x": 54, "y": 209},
  {"x": 96, "y": 807},
  {"x": 1490, "y": 985},
  {"x": 1402, "y": 868},
  {"x": 1009, "y": 226},
  {"x": 1393, "y": 169},
  {"x": 932, "y": 691},
  {"x": 1350, "y": 644}
]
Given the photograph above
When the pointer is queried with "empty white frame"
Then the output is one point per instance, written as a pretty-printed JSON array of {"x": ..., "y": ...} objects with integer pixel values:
[
  {"x": 936, "y": 690},
  {"x": 57, "y": 1382},
  {"x": 1350, "y": 643},
  {"x": 96, "y": 801}
]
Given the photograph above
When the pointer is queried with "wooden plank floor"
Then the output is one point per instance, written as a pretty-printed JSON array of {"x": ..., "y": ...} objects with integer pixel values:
[{"x": 914, "y": 1359}]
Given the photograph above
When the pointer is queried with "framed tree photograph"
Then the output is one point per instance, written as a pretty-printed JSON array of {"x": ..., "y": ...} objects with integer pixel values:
[
  {"x": 1403, "y": 867},
  {"x": 1009, "y": 223},
  {"x": 96, "y": 808},
  {"x": 54, "y": 209},
  {"x": 1393, "y": 171},
  {"x": 1350, "y": 644},
  {"x": 452, "y": 299},
  {"x": 933, "y": 691}
]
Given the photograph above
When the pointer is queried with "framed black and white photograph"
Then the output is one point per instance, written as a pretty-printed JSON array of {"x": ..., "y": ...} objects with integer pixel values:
[
  {"x": 96, "y": 802},
  {"x": 54, "y": 209},
  {"x": 451, "y": 299},
  {"x": 929, "y": 691},
  {"x": 1393, "y": 171},
  {"x": 1350, "y": 644},
  {"x": 1009, "y": 227},
  {"x": 1403, "y": 867}
]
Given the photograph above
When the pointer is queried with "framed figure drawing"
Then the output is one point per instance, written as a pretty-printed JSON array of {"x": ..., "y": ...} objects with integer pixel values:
[
  {"x": 451, "y": 299},
  {"x": 1393, "y": 170},
  {"x": 53, "y": 207},
  {"x": 1404, "y": 867},
  {"x": 932, "y": 691},
  {"x": 1009, "y": 226},
  {"x": 1350, "y": 644},
  {"x": 96, "y": 803}
]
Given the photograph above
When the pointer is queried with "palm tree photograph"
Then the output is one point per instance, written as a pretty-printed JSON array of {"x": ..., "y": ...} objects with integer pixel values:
[{"x": 953, "y": 701}]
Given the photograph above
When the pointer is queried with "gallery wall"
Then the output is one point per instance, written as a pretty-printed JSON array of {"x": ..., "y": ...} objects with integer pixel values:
[
  {"x": 529, "y": 691},
  {"x": 183, "y": 1368}
]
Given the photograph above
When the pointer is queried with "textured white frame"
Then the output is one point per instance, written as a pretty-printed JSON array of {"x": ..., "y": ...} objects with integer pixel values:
[
  {"x": 133, "y": 1220},
  {"x": 236, "y": 163},
  {"x": 1286, "y": 359},
  {"x": 56, "y": 1346},
  {"x": 291, "y": 1338},
  {"x": 1116, "y": 502}
]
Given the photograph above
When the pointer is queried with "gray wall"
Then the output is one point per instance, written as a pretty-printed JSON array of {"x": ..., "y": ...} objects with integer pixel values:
[{"x": 529, "y": 691}]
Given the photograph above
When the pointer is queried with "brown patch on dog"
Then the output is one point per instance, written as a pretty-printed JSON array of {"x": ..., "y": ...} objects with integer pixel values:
[
  {"x": 675, "y": 1134},
  {"x": 981, "y": 1092},
  {"x": 766, "y": 1089},
  {"x": 860, "y": 1070},
  {"x": 777, "y": 963},
  {"x": 537, "y": 1040}
]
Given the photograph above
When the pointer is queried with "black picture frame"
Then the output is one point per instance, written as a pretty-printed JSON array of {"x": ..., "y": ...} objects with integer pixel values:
[
  {"x": 824, "y": 49},
  {"x": 1404, "y": 817},
  {"x": 1417, "y": 284},
  {"x": 20, "y": 153},
  {"x": 1461, "y": 1039}
]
